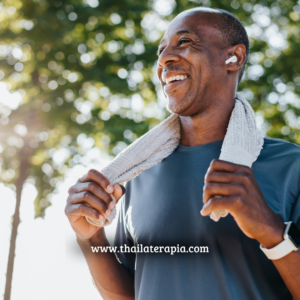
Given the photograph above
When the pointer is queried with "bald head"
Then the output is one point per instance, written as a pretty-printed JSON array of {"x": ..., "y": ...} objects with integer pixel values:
[{"x": 231, "y": 29}]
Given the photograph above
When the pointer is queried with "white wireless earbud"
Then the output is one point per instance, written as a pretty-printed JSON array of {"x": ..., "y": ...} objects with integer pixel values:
[{"x": 231, "y": 59}]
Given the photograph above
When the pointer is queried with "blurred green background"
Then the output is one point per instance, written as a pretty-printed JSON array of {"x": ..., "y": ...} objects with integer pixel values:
[{"x": 77, "y": 79}]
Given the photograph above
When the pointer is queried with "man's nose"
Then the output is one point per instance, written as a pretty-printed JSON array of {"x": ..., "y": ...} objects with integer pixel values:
[{"x": 167, "y": 56}]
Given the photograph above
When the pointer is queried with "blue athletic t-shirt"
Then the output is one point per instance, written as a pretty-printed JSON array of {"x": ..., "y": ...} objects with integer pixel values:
[{"x": 161, "y": 208}]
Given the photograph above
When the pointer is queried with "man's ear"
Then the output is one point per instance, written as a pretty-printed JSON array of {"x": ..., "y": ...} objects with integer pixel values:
[{"x": 240, "y": 52}]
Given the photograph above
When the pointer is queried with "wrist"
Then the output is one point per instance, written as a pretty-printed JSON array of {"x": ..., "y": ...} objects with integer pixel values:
[
  {"x": 273, "y": 237},
  {"x": 96, "y": 240},
  {"x": 291, "y": 242}
]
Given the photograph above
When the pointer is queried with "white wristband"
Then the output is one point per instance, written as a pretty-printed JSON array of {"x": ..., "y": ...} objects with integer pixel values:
[
  {"x": 282, "y": 249},
  {"x": 279, "y": 251}
]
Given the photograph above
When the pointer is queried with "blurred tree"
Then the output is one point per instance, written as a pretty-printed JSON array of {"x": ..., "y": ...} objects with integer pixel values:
[
  {"x": 67, "y": 69},
  {"x": 78, "y": 78}
]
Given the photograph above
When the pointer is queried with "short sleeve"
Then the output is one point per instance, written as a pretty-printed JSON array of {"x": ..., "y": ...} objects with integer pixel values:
[
  {"x": 296, "y": 212},
  {"x": 123, "y": 237},
  {"x": 295, "y": 215}
]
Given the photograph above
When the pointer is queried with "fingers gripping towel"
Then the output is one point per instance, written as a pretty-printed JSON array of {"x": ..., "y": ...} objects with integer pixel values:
[{"x": 242, "y": 145}]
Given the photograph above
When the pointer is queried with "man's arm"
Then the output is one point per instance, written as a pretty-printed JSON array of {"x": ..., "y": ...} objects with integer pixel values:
[
  {"x": 112, "y": 279},
  {"x": 242, "y": 198}
]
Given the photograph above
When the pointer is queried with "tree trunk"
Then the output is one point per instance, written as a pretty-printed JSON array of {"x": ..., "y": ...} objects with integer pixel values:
[{"x": 24, "y": 164}]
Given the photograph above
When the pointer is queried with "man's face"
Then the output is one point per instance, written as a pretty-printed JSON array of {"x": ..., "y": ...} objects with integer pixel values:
[{"x": 191, "y": 62}]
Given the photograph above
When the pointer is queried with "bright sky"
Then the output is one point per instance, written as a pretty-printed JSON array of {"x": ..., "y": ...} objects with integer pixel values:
[{"x": 48, "y": 264}]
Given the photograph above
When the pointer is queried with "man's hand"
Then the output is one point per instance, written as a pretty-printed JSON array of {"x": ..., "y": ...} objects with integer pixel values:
[
  {"x": 111, "y": 278},
  {"x": 94, "y": 189},
  {"x": 242, "y": 198}
]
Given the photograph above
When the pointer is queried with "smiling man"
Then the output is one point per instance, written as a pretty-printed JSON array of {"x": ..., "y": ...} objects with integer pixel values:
[{"x": 161, "y": 206}]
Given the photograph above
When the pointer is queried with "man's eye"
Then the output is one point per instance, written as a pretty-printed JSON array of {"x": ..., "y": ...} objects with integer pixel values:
[
  {"x": 159, "y": 51},
  {"x": 183, "y": 41}
]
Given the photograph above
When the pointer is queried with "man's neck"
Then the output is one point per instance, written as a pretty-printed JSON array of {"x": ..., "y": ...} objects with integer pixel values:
[{"x": 206, "y": 127}]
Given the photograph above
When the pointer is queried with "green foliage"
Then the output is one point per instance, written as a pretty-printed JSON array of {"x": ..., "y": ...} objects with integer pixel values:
[{"x": 85, "y": 73}]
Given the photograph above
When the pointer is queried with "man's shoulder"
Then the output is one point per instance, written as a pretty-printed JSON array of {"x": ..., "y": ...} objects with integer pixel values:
[
  {"x": 279, "y": 144},
  {"x": 280, "y": 149}
]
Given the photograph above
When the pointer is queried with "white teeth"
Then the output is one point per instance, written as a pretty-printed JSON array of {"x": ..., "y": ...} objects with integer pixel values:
[{"x": 177, "y": 77}]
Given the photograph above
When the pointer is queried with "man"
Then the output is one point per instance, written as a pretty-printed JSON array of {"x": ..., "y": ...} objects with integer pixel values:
[{"x": 161, "y": 206}]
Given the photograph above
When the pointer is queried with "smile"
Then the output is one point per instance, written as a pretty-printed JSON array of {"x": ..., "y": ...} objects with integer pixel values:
[
  {"x": 172, "y": 82},
  {"x": 175, "y": 78}
]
